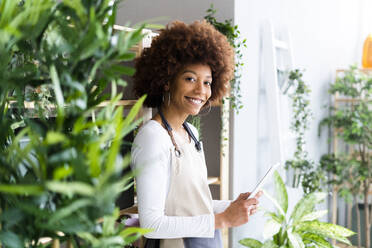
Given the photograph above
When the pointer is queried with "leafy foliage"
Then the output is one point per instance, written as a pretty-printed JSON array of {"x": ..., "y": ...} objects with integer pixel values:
[
  {"x": 62, "y": 172},
  {"x": 350, "y": 166},
  {"x": 233, "y": 36},
  {"x": 304, "y": 168},
  {"x": 299, "y": 229}
]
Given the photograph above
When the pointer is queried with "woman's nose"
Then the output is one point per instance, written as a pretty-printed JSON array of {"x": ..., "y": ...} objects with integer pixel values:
[{"x": 200, "y": 87}]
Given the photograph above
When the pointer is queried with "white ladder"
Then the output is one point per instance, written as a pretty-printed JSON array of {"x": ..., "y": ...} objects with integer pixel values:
[{"x": 275, "y": 142}]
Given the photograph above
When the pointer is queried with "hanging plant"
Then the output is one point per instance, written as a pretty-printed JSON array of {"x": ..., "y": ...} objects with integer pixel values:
[
  {"x": 304, "y": 168},
  {"x": 232, "y": 33}
]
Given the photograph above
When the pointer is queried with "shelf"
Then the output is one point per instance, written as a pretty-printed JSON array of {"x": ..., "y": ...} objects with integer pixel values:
[
  {"x": 31, "y": 105},
  {"x": 144, "y": 43},
  {"x": 119, "y": 103},
  {"x": 347, "y": 100},
  {"x": 129, "y": 211},
  {"x": 366, "y": 70},
  {"x": 214, "y": 181}
]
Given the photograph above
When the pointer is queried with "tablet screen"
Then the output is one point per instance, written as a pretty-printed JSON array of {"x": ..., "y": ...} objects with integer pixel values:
[{"x": 263, "y": 180}]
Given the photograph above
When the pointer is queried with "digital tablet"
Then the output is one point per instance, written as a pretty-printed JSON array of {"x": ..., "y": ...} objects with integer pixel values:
[{"x": 263, "y": 180}]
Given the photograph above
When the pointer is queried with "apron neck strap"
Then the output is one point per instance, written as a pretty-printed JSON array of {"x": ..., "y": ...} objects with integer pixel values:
[{"x": 187, "y": 128}]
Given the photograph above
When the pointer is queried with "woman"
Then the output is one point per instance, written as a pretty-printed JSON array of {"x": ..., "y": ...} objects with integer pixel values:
[{"x": 186, "y": 68}]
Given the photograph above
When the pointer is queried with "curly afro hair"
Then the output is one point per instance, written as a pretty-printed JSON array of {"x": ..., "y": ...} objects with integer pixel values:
[{"x": 176, "y": 46}]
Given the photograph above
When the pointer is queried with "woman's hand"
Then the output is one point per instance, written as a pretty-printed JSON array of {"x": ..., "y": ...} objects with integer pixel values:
[{"x": 238, "y": 212}]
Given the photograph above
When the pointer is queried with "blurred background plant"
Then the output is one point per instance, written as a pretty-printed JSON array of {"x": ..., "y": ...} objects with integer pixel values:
[
  {"x": 349, "y": 167},
  {"x": 61, "y": 167}
]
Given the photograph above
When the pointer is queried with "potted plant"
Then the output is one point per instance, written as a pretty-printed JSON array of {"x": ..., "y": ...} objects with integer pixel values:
[
  {"x": 298, "y": 229},
  {"x": 351, "y": 121},
  {"x": 63, "y": 181}
]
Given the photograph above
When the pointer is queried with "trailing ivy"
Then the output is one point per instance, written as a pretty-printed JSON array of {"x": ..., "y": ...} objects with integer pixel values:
[
  {"x": 232, "y": 33},
  {"x": 304, "y": 168}
]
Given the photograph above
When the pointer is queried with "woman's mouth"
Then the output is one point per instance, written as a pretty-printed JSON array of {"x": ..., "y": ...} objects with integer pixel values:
[{"x": 195, "y": 101}]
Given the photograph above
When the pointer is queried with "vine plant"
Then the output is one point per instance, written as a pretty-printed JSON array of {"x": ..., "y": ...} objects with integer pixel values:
[
  {"x": 232, "y": 33},
  {"x": 304, "y": 168}
]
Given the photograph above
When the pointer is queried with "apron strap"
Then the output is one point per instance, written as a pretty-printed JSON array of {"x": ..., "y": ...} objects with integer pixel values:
[
  {"x": 197, "y": 142},
  {"x": 188, "y": 130}
]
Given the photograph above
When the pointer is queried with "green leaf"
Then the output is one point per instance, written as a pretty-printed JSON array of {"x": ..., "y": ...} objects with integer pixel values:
[
  {"x": 66, "y": 211},
  {"x": 281, "y": 192},
  {"x": 70, "y": 188},
  {"x": 127, "y": 56},
  {"x": 325, "y": 230},
  {"x": 274, "y": 216},
  {"x": 11, "y": 240},
  {"x": 131, "y": 234},
  {"x": 55, "y": 137},
  {"x": 134, "y": 111},
  {"x": 21, "y": 189},
  {"x": 295, "y": 239},
  {"x": 271, "y": 228},
  {"x": 269, "y": 244},
  {"x": 276, "y": 204},
  {"x": 314, "y": 215},
  {"x": 306, "y": 205},
  {"x": 252, "y": 243},
  {"x": 310, "y": 238},
  {"x": 62, "y": 172},
  {"x": 57, "y": 87},
  {"x": 64, "y": 156}
]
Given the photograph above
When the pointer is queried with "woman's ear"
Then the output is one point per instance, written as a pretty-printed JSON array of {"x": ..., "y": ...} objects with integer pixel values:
[{"x": 166, "y": 87}]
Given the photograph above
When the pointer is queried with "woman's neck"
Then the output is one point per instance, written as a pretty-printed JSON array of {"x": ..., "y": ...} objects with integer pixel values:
[{"x": 174, "y": 118}]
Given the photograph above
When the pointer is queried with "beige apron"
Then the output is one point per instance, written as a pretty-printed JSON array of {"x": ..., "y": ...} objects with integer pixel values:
[{"x": 189, "y": 193}]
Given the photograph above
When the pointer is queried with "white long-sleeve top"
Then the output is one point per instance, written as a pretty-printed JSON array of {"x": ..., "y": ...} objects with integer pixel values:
[{"x": 151, "y": 160}]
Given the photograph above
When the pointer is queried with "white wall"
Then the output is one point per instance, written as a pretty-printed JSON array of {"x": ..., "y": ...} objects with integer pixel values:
[
  {"x": 164, "y": 11},
  {"x": 325, "y": 35}
]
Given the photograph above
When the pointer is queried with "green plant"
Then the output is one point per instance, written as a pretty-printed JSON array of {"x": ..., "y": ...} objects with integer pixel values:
[
  {"x": 345, "y": 180},
  {"x": 233, "y": 35},
  {"x": 63, "y": 172},
  {"x": 299, "y": 229},
  {"x": 304, "y": 168},
  {"x": 351, "y": 120}
]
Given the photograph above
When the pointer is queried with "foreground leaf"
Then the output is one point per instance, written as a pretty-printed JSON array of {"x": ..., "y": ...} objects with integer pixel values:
[
  {"x": 326, "y": 230},
  {"x": 269, "y": 244},
  {"x": 306, "y": 206},
  {"x": 271, "y": 228},
  {"x": 70, "y": 188},
  {"x": 314, "y": 215},
  {"x": 20, "y": 189},
  {"x": 310, "y": 238},
  {"x": 10, "y": 239},
  {"x": 281, "y": 192},
  {"x": 295, "y": 239},
  {"x": 252, "y": 243}
]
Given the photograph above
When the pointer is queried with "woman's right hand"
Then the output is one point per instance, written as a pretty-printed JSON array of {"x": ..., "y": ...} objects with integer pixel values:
[{"x": 238, "y": 212}]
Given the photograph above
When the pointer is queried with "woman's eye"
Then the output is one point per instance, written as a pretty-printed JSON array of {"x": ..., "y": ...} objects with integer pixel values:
[
  {"x": 208, "y": 83},
  {"x": 190, "y": 79}
]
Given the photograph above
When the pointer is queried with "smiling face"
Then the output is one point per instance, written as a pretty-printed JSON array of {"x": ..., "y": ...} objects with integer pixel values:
[{"x": 190, "y": 90}]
